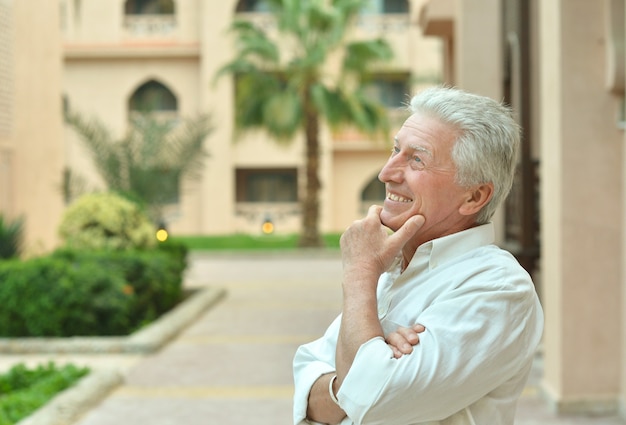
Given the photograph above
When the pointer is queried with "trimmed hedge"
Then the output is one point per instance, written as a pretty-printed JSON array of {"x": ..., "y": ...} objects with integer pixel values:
[{"x": 72, "y": 293}]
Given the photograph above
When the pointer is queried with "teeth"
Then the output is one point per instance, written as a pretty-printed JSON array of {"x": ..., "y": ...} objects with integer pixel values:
[{"x": 397, "y": 198}]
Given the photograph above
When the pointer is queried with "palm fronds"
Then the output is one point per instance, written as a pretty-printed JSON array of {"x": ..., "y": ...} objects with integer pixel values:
[{"x": 11, "y": 237}]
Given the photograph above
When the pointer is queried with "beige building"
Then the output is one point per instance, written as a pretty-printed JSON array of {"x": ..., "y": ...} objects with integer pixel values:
[
  {"x": 101, "y": 58},
  {"x": 118, "y": 51},
  {"x": 561, "y": 64},
  {"x": 32, "y": 153}
]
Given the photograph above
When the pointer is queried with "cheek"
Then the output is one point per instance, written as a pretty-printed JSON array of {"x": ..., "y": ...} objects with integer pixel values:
[{"x": 434, "y": 197}]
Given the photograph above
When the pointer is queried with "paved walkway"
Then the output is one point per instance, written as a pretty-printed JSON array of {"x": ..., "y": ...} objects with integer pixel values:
[{"x": 233, "y": 366}]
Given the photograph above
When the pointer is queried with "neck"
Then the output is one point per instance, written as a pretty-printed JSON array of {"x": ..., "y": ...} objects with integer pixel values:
[{"x": 408, "y": 251}]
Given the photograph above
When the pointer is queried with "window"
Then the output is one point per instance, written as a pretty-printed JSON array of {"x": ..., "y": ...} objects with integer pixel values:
[
  {"x": 267, "y": 185},
  {"x": 252, "y": 6},
  {"x": 153, "y": 96},
  {"x": 385, "y": 6},
  {"x": 391, "y": 91},
  {"x": 154, "y": 101},
  {"x": 149, "y": 7},
  {"x": 374, "y": 191},
  {"x": 396, "y": 6}
]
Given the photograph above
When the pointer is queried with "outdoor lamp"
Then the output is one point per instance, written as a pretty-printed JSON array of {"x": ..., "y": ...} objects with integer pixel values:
[
  {"x": 267, "y": 227},
  {"x": 161, "y": 233}
]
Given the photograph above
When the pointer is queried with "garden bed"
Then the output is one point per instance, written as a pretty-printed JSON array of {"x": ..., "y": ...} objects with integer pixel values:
[{"x": 146, "y": 340}]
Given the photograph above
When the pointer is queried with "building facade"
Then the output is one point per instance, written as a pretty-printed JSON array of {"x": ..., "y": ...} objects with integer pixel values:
[
  {"x": 118, "y": 51},
  {"x": 561, "y": 64},
  {"x": 32, "y": 147}
]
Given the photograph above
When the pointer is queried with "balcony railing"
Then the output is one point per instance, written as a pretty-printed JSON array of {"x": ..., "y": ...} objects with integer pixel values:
[
  {"x": 150, "y": 26},
  {"x": 384, "y": 23},
  {"x": 368, "y": 23}
]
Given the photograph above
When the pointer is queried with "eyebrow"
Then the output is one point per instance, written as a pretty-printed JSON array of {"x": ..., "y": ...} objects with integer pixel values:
[{"x": 417, "y": 148}]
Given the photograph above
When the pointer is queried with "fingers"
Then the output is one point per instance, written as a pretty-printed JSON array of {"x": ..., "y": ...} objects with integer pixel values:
[
  {"x": 403, "y": 339},
  {"x": 368, "y": 248},
  {"x": 407, "y": 231},
  {"x": 374, "y": 210},
  {"x": 411, "y": 335},
  {"x": 418, "y": 328},
  {"x": 396, "y": 353}
]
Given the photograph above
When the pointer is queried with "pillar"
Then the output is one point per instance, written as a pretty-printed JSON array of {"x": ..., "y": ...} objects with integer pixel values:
[{"x": 581, "y": 197}]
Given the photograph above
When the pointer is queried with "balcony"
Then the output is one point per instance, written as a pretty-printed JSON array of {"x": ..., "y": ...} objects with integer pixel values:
[
  {"x": 150, "y": 26},
  {"x": 370, "y": 24},
  {"x": 392, "y": 27},
  {"x": 383, "y": 24}
]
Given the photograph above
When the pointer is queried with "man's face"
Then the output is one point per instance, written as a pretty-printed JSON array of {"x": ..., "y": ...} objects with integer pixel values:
[{"x": 420, "y": 179}]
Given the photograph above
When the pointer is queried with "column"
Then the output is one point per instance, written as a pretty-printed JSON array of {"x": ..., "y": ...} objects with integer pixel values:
[{"x": 581, "y": 198}]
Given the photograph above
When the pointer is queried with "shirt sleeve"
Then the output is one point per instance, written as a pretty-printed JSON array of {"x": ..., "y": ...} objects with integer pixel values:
[
  {"x": 475, "y": 340},
  {"x": 310, "y": 362}
]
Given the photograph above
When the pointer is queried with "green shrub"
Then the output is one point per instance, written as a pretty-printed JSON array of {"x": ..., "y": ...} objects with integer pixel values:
[
  {"x": 23, "y": 390},
  {"x": 153, "y": 278},
  {"x": 71, "y": 293},
  {"x": 50, "y": 296},
  {"x": 11, "y": 234},
  {"x": 106, "y": 221}
]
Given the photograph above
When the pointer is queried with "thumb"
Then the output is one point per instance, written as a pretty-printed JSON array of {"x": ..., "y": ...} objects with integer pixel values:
[{"x": 407, "y": 231}]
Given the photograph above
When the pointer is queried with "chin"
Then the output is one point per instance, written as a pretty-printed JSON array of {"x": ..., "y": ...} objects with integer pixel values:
[{"x": 391, "y": 221}]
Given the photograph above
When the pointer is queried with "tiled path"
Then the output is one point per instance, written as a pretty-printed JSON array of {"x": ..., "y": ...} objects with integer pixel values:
[{"x": 233, "y": 366}]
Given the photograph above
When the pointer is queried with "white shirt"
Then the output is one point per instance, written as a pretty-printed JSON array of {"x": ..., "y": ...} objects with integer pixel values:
[{"x": 483, "y": 325}]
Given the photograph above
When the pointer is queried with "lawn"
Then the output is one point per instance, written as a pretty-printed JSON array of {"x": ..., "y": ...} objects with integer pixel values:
[{"x": 243, "y": 242}]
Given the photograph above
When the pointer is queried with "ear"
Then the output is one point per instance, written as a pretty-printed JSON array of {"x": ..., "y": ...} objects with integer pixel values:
[{"x": 477, "y": 197}]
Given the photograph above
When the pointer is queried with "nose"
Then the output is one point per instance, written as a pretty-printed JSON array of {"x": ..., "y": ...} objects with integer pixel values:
[{"x": 392, "y": 171}]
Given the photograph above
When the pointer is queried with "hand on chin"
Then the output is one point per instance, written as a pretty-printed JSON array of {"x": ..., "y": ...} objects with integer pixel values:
[{"x": 392, "y": 221}]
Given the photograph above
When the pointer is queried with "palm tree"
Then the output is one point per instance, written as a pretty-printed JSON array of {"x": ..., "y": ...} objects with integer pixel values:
[
  {"x": 149, "y": 161},
  {"x": 322, "y": 79},
  {"x": 11, "y": 237}
]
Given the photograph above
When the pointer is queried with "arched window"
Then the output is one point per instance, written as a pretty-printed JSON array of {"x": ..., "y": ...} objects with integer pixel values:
[
  {"x": 153, "y": 97},
  {"x": 396, "y": 6},
  {"x": 252, "y": 6},
  {"x": 374, "y": 191},
  {"x": 386, "y": 6},
  {"x": 149, "y": 7},
  {"x": 391, "y": 90}
]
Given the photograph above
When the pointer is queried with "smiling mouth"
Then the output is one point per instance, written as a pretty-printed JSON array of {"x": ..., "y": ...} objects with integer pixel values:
[{"x": 397, "y": 198}]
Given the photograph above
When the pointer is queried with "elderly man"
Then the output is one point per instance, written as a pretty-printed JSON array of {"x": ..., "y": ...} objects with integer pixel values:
[{"x": 438, "y": 324}]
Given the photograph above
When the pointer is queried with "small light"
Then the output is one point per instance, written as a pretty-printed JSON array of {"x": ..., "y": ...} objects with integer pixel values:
[
  {"x": 161, "y": 235},
  {"x": 267, "y": 227}
]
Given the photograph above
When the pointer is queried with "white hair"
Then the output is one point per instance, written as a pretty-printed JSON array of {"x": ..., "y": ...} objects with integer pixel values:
[{"x": 487, "y": 145}]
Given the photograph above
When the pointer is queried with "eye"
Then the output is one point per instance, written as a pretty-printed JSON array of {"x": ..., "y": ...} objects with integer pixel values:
[
  {"x": 395, "y": 150},
  {"x": 417, "y": 163}
]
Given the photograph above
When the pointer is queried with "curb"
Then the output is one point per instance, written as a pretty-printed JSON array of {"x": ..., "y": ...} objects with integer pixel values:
[
  {"x": 68, "y": 405},
  {"x": 144, "y": 341}
]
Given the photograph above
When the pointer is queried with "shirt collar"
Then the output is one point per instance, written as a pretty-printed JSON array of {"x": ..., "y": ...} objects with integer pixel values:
[{"x": 443, "y": 249}]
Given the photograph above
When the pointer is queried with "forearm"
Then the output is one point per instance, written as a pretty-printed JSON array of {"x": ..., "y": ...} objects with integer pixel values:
[
  {"x": 320, "y": 407},
  {"x": 359, "y": 324}
]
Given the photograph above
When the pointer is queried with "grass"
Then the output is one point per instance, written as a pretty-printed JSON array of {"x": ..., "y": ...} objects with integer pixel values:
[
  {"x": 24, "y": 390},
  {"x": 244, "y": 242}
]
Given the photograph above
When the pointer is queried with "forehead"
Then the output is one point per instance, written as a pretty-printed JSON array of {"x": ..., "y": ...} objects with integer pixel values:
[{"x": 424, "y": 132}]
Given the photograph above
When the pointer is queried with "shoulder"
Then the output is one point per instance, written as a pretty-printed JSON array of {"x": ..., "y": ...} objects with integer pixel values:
[{"x": 488, "y": 269}]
